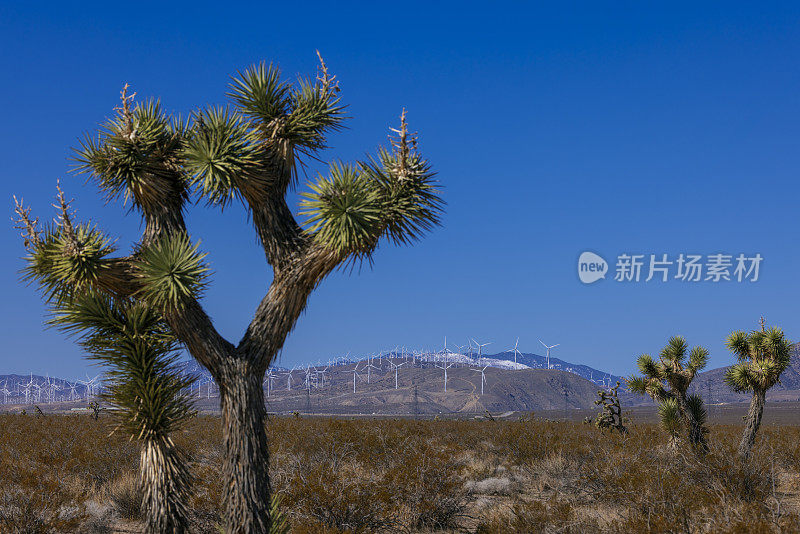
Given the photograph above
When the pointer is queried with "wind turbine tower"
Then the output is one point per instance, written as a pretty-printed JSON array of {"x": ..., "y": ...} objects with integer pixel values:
[
  {"x": 548, "y": 347},
  {"x": 483, "y": 376},
  {"x": 355, "y": 374},
  {"x": 445, "y": 367},
  {"x": 480, "y": 350},
  {"x": 515, "y": 351},
  {"x": 369, "y": 367},
  {"x": 396, "y": 367}
]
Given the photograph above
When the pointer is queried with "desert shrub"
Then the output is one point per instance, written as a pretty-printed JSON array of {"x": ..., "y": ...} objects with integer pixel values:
[
  {"x": 126, "y": 496},
  {"x": 536, "y": 517},
  {"x": 430, "y": 489},
  {"x": 35, "y": 503}
]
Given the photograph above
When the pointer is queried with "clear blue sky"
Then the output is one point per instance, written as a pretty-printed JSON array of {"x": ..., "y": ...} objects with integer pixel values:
[{"x": 554, "y": 131}]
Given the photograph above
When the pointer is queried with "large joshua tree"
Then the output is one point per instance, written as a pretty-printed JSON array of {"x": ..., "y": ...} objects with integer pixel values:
[
  {"x": 763, "y": 355},
  {"x": 667, "y": 381},
  {"x": 252, "y": 153}
]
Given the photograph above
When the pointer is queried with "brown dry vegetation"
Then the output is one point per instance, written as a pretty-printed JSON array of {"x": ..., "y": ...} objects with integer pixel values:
[{"x": 66, "y": 474}]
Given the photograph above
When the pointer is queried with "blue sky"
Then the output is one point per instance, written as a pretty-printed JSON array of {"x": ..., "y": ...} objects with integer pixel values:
[{"x": 618, "y": 130}]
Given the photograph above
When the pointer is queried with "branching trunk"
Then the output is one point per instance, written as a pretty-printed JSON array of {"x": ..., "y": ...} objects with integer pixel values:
[
  {"x": 753, "y": 422},
  {"x": 246, "y": 463},
  {"x": 166, "y": 483}
]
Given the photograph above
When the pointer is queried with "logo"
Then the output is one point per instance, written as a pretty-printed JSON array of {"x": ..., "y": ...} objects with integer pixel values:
[
  {"x": 591, "y": 267},
  {"x": 662, "y": 268}
]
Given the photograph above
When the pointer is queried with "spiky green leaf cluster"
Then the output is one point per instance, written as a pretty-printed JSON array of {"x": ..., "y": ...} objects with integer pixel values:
[
  {"x": 67, "y": 260},
  {"x": 219, "y": 153},
  {"x": 697, "y": 409},
  {"x": 411, "y": 204},
  {"x": 350, "y": 210},
  {"x": 259, "y": 93},
  {"x": 314, "y": 112},
  {"x": 672, "y": 371},
  {"x": 137, "y": 156},
  {"x": 139, "y": 351},
  {"x": 171, "y": 270},
  {"x": 763, "y": 356},
  {"x": 344, "y": 211},
  {"x": 670, "y": 416},
  {"x": 301, "y": 115}
]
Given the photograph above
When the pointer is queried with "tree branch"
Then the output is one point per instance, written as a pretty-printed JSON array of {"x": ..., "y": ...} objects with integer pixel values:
[
  {"x": 280, "y": 234},
  {"x": 194, "y": 328},
  {"x": 284, "y": 302}
]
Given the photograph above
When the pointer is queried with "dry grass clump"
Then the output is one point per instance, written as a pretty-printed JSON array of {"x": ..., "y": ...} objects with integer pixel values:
[
  {"x": 66, "y": 474},
  {"x": 126, "y": 496},
  {"x": 354, "y": 477}
]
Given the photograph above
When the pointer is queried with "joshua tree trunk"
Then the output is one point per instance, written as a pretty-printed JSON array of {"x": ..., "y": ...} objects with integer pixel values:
[
  {"x": 246, "y": 462},
  {"x": 696, "y": 435},
  {"x": 165, "y": 482},
  {"x": 753, "y": 421}
]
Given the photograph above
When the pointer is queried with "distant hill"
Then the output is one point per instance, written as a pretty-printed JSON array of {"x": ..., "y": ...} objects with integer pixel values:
[
  {"x": 421, "y": 390},
  {"x": 530, "y": 387},
  {"x": 536, "y": 361}
]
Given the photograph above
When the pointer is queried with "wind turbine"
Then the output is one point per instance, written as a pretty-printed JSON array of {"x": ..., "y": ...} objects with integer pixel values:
[
  {"x": 548, "y": 347},
  {"x": 90, "y": 385},
  {"x": 396, "y": 367},
  {"x": 445, "y": 367},
  {"x": 322, "y": 374},
  {"x": 483, "y": 376},
  {"x": 480, "y": 350},
  {"x": 269, "y": 378},
  {"x": 515, "y": 351},
  {"x": 368, "y": 367},
  {"x": 289, "y": 379},
  {"x": 444, "y": 350},
  {"x": 355, "y": 374},
  {"x": 210, "y": 387},
  {"x": 27, "y": 388}
]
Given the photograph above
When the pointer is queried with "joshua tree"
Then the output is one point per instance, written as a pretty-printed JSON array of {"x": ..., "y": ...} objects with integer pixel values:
[
  {"x": 251, "y": 153},
  {"x": 95, "y": 407},
  {"x": 666, "y": 381},
  {"x": 611, "y": 414},
  {"x": 763, "y": 355},
  {"x": 133, "y": 340}
]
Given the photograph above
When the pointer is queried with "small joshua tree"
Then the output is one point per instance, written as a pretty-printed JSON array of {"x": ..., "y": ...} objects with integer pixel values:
[
  {"x": 763, "y": 355},
  {"x": 611, "y": 414},
  {"x": 253, "y": 152},
  {"x": 146, "y": 388},
  {"x": 95, "y": 407},
  {"x": 667, "y": 381}
]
